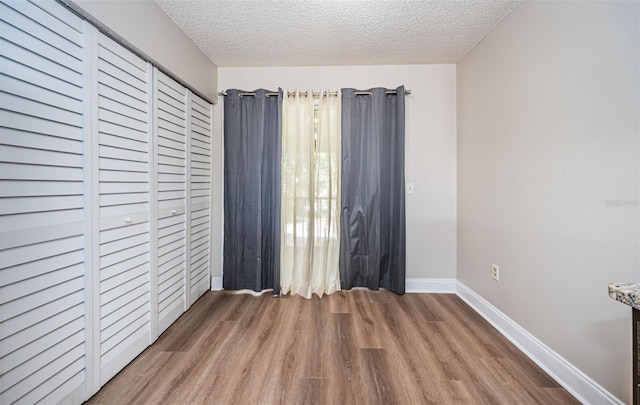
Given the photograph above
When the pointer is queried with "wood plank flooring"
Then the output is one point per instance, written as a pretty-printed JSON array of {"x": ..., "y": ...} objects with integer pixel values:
[{"x": 352, "y": 347}]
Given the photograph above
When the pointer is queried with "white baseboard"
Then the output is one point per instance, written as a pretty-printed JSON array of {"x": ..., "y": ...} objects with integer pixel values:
[
  {"x": 431, "y": 285},
  {"x": 216, "y": 283},
  {"x": 566, "y": 374}
]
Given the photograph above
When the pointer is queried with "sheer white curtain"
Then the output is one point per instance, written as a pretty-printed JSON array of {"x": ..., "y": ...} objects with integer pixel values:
[{"x": 310, "y": 181}]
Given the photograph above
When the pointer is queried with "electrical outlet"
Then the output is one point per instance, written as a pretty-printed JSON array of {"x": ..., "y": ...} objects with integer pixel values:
[
  {"x": 409, "y": 188},
  {"x": 495, "y": 272}
]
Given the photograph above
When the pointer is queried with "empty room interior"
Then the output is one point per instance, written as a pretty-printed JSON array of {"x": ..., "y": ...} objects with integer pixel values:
[{"x": 327, "y": 202}]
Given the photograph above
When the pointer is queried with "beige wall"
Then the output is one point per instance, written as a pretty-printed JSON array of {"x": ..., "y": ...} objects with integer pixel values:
[
  {"x": 430, "y": 148},
  {"x": 145, "y": 27},
  {"x": 548, "y": 177}
]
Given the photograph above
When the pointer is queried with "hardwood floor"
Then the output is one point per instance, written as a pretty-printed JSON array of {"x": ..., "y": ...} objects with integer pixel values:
[{"x": 352, "y": 347}]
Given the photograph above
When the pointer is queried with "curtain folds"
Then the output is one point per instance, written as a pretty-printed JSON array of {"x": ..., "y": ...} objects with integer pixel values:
[
  {"x": 314, "y": 197},
  {"x": 310, "y": 188},
  {"x": 373, "y": 245},
  {"x": 252, "y": 127}
]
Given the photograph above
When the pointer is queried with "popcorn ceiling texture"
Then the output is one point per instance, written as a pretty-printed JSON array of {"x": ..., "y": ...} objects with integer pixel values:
[{"x": 316, "y": 33}]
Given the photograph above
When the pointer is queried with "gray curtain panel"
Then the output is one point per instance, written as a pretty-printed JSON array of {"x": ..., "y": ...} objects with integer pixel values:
[
  {"x": 252, "y": 126},
  {"x": 373, "y": 244}
]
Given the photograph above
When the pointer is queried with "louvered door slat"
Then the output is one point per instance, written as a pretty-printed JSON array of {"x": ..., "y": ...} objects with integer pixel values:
[
  {"x": 26, "y": 311},
  {"x": 42, "y": 344},
  {"x": 38, "y": 62},
  {"x": 36, "y": 141},
  {"x": 38, "y": 29},
  {"x": 108, "y": 77},
  {"x": 64, "y": 56},
  {"x": 200, "y": 127},
  {"x": 113, "y": 295},
  {"x": 171, "y": 109},
  {"x": 34, "y": 92},
  {"x": 35, "y": 124},
  {"x": 124, "y": 205},
  {"x": 39, "y": 78},
  {"x": 59, "y": 23},
  {"x": 41, "y": 203},
  {"x": 171, "y": 170}
]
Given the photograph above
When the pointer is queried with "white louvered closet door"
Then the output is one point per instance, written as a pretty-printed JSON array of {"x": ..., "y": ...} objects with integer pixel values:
[
  {"x": 125, "y": 191},
  {"x": 42, "y": 349},
  {"x": 200, "y": 124},
  {"x": 171, "y": 174}
]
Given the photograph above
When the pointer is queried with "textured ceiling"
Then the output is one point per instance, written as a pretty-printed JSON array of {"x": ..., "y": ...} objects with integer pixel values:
[{"x": 331, "y": 32}]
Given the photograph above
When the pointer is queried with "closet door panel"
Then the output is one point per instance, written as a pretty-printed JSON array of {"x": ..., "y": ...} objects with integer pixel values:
[
  {"x": 171, "y": 179},
  {"x": 124, "y": 199},
  {"x": 41, "y": 203},
  {"x": 200, "y": 127}
]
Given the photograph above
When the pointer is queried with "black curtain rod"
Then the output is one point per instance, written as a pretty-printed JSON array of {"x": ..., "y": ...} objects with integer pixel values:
[{"x": 314, "y": 94}]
